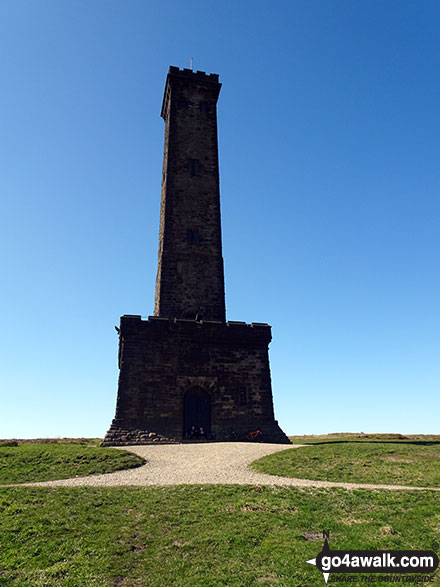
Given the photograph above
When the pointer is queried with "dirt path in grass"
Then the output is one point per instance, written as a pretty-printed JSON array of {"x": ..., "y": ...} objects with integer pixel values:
[{"x": 194, "y": 464}]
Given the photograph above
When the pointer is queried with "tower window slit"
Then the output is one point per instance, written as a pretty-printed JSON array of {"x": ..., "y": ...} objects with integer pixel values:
[
  {"x": 193, "y": 237},
  {"x": 193, "y": 166}
]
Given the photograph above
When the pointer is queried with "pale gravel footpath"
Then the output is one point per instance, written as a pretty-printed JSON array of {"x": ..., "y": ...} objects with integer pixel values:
[{"x": 210, "y": 463}]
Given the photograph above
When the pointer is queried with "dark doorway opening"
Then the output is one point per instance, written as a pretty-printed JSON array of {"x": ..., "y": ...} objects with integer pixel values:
[{"x": 197, "y": 410}]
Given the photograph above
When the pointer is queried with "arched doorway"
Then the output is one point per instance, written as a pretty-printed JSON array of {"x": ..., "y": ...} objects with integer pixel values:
[{"x": 197, "y": 410}]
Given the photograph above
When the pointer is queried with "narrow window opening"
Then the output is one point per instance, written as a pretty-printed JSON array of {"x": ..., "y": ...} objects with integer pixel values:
[
  {"x": 193, "y": 166},
  {"x": 150, "y": 396},
  {"x": 243, "y": 396},
  {"x": 193, "y": 237},
  {"x": 203, "y": 106}
]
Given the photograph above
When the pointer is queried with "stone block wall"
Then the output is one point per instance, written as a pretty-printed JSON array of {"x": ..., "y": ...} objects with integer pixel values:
[{"x": 161, "y": 359}]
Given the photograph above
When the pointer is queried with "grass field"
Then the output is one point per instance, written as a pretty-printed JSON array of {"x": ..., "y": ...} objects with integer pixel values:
[
  {"x": 192, "y": 535},
  {"x": 31, "y": 461},
  {"x": 198, "y": 535},
  {"x": 399, "y": 462},
  {"x": 353, "y": 437}
]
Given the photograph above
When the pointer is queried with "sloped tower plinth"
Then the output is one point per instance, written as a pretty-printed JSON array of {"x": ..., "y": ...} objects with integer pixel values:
[{"x": 186, "y": 368}]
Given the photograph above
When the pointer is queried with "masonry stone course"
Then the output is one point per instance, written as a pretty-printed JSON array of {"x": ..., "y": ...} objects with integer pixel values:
[{"x": 187, "y": 364}]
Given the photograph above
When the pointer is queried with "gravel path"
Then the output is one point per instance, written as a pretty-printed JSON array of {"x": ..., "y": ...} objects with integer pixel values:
[{"x": 195, "y": 464}]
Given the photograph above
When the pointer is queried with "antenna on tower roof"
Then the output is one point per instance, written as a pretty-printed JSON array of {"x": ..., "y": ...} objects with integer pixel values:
[{"x": 191, "y": 64}]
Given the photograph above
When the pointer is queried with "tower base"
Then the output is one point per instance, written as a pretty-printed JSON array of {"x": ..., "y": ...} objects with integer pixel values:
[{"x": 186, "y": 380}]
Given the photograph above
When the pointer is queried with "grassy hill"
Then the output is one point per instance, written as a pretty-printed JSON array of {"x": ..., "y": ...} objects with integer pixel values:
[
  {"x": 27, "y": 461},
  {"x": 379, "y": 459},
  {"x": 211, "y": 535}
]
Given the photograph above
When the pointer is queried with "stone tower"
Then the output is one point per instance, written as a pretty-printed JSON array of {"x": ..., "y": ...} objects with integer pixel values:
[
  {"x": 190, "y": 278},
  {"x": 187, "y": 366}
]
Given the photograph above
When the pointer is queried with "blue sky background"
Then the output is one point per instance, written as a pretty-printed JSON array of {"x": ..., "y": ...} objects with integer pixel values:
[{"x": 329, "y": 160}]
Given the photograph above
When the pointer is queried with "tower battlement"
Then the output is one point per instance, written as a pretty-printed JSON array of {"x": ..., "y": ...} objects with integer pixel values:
[
  {"x": 201, "y": 75},
  {"x": 212, "y": 330},
  {"x": 184, "y": 82}
]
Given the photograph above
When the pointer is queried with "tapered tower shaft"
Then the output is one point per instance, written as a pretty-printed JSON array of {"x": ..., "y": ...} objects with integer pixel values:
[{"x": 190, "y": 278}]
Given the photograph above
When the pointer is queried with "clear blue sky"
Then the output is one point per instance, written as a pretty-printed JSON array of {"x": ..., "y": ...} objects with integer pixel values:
[{"x": 329, "y": 134}]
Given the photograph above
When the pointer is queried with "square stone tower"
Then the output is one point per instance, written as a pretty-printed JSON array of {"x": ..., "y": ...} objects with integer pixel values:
[{"x": 186, "y": 367}]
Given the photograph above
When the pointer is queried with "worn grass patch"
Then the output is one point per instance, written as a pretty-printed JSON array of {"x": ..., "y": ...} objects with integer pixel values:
[
  {"x": 414, "y": 463},
  {"x": 198, "y": 535},
  {"x": 48, "y": 461}
]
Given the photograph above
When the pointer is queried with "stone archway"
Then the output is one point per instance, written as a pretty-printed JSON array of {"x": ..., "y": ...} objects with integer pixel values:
[{"x": 196, "y": 410}]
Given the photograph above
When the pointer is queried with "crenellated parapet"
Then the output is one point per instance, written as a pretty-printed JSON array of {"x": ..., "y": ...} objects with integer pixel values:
[
  {"x": 215, "y": 330},
  {"x": 187, "y": 79},
  {"x": 198, "y": 75}
]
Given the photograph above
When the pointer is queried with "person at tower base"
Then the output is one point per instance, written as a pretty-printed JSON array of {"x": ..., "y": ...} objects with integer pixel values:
[{"x": 193, "y": 433}]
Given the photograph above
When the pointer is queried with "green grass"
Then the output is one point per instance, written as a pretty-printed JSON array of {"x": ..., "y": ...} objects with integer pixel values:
[
  {"x": 47, "y": 461},
  {"x": 198, "y": 535},
  {"x": 352, "y": 436},
  {"x": 414, "y": 463}
]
